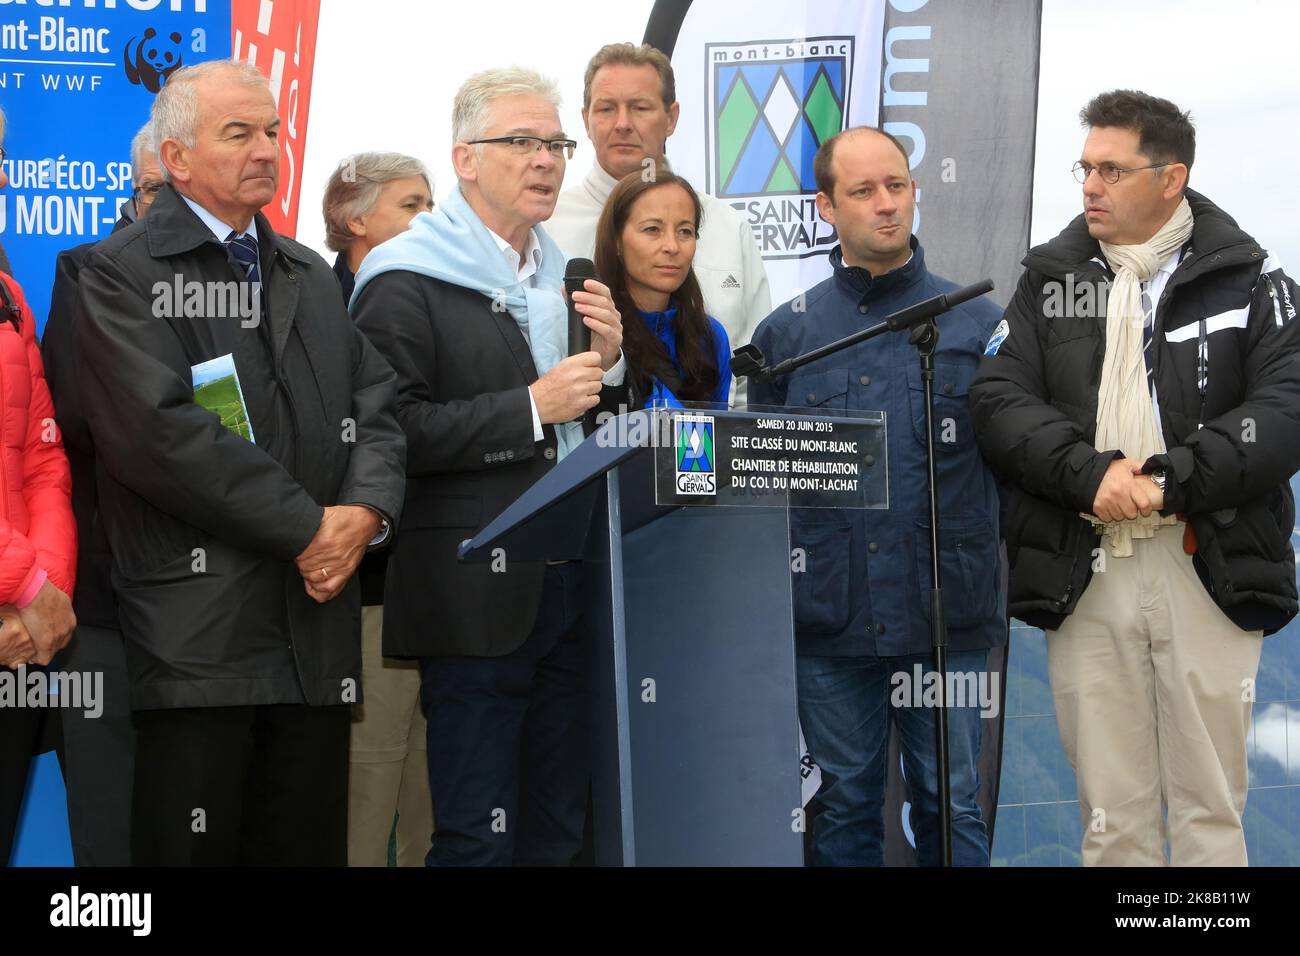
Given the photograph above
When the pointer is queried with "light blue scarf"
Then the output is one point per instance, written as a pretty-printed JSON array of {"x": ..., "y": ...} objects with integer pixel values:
[{"x": 452, "y": 244}]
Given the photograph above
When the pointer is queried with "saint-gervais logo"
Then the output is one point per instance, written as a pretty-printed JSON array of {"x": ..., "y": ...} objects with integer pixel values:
[
  {"x": 772, "y": 103},
  {"x": 693, "y": 439}
]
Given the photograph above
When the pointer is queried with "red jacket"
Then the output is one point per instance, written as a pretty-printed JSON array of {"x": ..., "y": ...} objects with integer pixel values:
[{"x": 37, "y": 530}]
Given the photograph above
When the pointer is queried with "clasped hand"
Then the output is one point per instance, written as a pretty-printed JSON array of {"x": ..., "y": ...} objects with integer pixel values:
[
  {"x": 37, "y": 632},
  {"x": 1126, "y": 493},
  {"x": 339, "y": 544}
]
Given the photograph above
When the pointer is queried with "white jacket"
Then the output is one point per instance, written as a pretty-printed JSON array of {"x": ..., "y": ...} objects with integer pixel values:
[{"x": 727, "y": 263}]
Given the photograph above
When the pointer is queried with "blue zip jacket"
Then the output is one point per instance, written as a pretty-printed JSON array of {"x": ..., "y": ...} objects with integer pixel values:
[
  {"x": 664, "y": 325},
  {"x": 864, "y": 588}
]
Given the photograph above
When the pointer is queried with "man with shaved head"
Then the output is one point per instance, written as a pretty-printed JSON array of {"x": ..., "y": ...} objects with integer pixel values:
[{"x": 861, "y": 603}]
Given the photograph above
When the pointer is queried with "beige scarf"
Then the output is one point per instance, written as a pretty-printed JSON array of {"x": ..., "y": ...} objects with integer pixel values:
[{"x": 1125, "y": 417}]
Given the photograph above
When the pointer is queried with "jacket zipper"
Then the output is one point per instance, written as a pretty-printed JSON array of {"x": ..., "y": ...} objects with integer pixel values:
[{"x": 297, "y": 460}]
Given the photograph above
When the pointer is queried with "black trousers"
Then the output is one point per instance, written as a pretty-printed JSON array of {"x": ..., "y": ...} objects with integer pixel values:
[
  {"x": 97, "y": 753},
  {"x": 19, "y": 728},
  {"x": 260, "y": 785},
  {"x": 509, "y": 742}
]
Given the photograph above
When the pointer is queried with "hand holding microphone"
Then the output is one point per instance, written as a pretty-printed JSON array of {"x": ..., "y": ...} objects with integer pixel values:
[
  {"x": 594, "y": 320},
  {"x": 572, "y": 388}
]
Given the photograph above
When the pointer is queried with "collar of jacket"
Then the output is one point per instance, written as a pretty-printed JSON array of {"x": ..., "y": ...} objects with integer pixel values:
[
  {"x": 172, "y": 229},
  {"x": 599, "y": 184},
  {"x": 123, "y": 221},
  {"x": 862, "y": 285},
  {"x": 347, "y": 278},
  {"x": 1217, "y": 243},
  {"x": 660, "y": 322}
]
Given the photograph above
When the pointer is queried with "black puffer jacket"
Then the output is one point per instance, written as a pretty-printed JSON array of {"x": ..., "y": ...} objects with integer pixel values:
[{"x": 1231, "y": 419}]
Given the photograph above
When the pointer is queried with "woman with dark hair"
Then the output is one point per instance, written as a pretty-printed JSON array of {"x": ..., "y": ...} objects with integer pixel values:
[{"x": 645, "y": 242}]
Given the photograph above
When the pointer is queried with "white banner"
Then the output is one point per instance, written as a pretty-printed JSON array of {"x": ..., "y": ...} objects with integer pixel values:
[{"x": 759, "y": 93}]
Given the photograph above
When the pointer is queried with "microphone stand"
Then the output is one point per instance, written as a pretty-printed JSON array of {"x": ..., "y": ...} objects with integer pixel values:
[
  {"x": 926, "y": 339},
  {"x": 748, "y": 360}
]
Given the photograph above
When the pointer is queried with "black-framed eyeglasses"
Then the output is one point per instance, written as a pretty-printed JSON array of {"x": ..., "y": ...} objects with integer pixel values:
[
  {"x": 1109, "y": 172},
  {"x": 523, "y": 145},
  {"x": 3, "y": 153},
  {"x": 146, "y": 193}
]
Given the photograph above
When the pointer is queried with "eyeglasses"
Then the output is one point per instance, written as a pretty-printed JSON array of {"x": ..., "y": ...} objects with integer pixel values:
[
  {"x": 523, "y": 145},
  {"x": 1109, "y": 172},
  {"x": 146, "y": 193}
]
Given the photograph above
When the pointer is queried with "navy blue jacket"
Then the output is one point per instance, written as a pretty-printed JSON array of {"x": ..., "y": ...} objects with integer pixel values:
[{"x": 863, "y": 589}]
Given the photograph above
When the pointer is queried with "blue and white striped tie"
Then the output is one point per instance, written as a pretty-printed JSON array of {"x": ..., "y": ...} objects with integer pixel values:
[{"x": 244, "y": 249}]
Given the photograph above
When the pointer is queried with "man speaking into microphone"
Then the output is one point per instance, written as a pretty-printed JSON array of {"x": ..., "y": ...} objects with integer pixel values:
[
  {"x": 862, "y": 630},
  {"x": 468, "y": 307}
]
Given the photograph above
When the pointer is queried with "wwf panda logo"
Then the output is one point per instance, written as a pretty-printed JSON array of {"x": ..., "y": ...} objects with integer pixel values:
[{"x": 150, "y": 60}]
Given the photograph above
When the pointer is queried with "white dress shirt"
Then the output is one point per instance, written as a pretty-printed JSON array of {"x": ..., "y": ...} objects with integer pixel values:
[
  {"x": 219, "y": 228},
  {"x": 526, "y": 268}
]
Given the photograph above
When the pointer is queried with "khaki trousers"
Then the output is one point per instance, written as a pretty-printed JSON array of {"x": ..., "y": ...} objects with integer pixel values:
[
  {"x": 1153, "y": 688},
  {"x": 388, "y": 768}
]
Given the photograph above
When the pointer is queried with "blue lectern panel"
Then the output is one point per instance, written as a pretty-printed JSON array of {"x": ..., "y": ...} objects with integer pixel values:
[{"x": 714, "y": 755}]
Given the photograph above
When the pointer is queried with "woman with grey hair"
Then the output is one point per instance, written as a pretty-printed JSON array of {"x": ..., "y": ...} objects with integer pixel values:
[{"x": 370, "y": 198}]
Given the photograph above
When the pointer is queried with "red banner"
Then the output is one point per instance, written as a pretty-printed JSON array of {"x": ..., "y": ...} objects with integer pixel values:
[{"x": 279, "y": 38}]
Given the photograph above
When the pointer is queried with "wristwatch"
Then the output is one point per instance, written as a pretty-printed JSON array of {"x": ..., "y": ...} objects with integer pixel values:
[{"x": 1159, "y": 478}]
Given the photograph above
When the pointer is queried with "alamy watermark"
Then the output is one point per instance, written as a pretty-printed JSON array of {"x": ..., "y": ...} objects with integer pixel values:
[
  {"x": 37, "y": 687},
  {"x": 212, "y": 299},
  {"x": 920, "y": 688},
  {"x": 75, "y": 908}
]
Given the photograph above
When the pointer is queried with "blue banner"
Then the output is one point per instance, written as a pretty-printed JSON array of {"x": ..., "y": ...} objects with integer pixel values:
[{"x": 77, "y": 81}]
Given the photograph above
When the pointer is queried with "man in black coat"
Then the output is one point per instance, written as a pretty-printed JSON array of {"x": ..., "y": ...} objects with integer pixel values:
[
  {"x": 1142, "y": 399},
  {"x": 247, "y": 455},
  {"x": 97, "y": 753},
  {"x": 466, "y": 305}
]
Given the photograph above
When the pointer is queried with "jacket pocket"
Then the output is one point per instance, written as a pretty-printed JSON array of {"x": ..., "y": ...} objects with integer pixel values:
[
  {"x": 819, "y": 390},
  {"x": 1253, "y": 543},
  {"x": 821, "y": 589},
  {"x": 969, "y": 562},
  {"x": 953, "y": 430}
]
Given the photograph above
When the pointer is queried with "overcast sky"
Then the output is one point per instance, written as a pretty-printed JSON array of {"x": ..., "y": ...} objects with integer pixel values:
[{"x": 1232, "y": 64}]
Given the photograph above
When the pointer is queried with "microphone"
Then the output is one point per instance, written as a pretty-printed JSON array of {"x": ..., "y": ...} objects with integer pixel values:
[
  {"x": 749, "y": 361},
  {"x": 576, "y": 273},
  {"x": 935, "y": 305}
]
